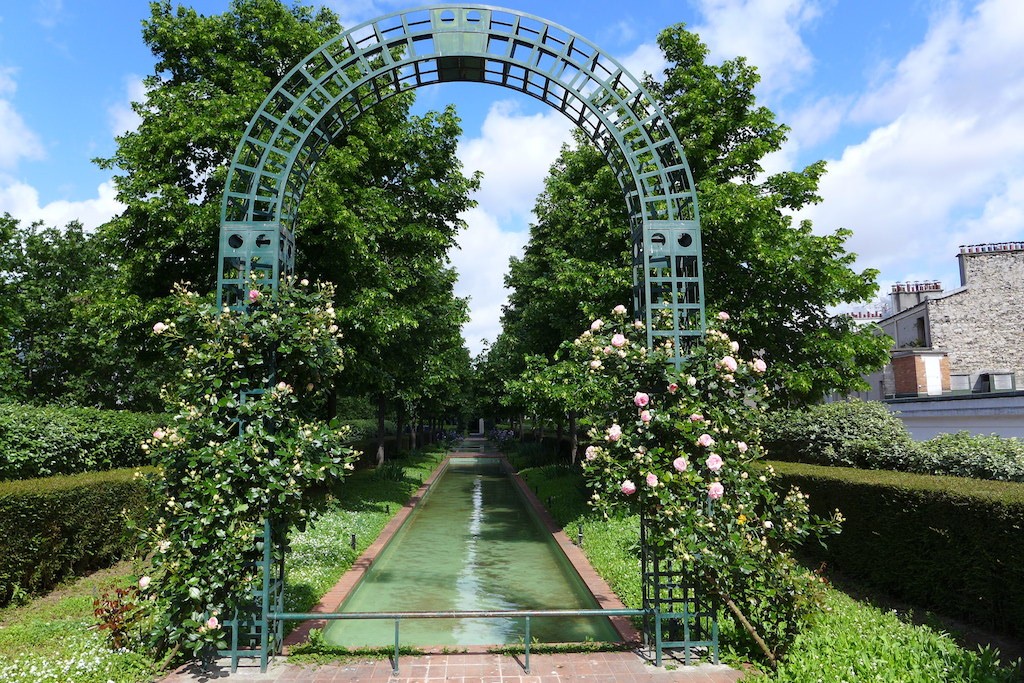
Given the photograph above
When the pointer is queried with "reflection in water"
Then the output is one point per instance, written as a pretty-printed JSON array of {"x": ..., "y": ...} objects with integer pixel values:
[{"x": 471, "y": 544}]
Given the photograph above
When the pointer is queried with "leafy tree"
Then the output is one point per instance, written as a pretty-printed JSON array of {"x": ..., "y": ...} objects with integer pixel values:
[
  {"x": 211, "y": 74},
  {"x": 574, "y": 259},
  {"x": 778, "y": 279},
  {"x": 377, "y": 217},
  {"x": 67, "y": 337}
]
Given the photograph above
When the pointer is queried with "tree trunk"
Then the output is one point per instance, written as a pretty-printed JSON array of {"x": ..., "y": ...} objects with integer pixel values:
[
  {"x": 413, "y": 427},
  {"x": 400, "y": 422},
  {"x": 574, "y": 438},
  {"x": 381, "y": 404}
]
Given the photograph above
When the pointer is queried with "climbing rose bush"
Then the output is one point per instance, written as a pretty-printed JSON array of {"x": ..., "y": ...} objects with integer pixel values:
[
  {"x": 682, "y": 448},
  {"x": 261, "y": 374}
]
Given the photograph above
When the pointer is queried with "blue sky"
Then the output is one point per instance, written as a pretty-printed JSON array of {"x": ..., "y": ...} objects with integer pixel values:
[{"x": 917, "y": 105}]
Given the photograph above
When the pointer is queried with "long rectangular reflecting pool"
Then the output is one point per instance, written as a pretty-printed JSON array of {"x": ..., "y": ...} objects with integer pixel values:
[{"x": 472, "y": 543}]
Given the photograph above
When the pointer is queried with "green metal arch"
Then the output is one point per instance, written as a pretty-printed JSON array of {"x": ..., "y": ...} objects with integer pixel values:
[{"x": 322, "y": 95}]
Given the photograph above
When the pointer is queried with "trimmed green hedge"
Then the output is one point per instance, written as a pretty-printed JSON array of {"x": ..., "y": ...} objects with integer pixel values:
[
  {"x": 58, "y": 527},
  {"x": 47, "y": 441},
  {"x": 865, "y": 434},
  {"x": 950, "y": 544},
  {"x": 845, "y": 434}
]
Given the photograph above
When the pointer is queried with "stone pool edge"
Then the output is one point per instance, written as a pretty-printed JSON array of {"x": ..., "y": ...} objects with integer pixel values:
[{"x": 597, "y": 586}]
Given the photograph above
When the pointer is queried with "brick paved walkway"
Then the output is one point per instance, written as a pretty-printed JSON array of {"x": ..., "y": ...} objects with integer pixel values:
[{"x": 606, "y": 667}]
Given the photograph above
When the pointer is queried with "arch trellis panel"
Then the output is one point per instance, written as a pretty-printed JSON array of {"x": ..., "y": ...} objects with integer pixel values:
[{"x": 322, "y": 95}]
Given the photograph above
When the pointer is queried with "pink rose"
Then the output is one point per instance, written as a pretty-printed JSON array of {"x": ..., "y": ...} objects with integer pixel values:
[
  {"x": 159, "y": 434},
  {"x": 619, "y": 310},
  {"x": 680, "y": 464},
  {"x": 691, "y": 381},
  {"x": 645, "y": 416},
  {"x": 734, "y": 346},
  {"x": 618, "y": 341},
  {"x": 760, "y": 365},
  {"x": 628, "y": 487},
  {"x": 591, "y": 452},
  {"x": 614, "y": 433},
  {"x": 595, "y": 365},
  {"x": 715, "y": 491},
  {"x": 673, "y": 388},
  {"x": 212, "y": 623},
  {"x": 706, "y": 441},
  {"x": 596, "y": 325},
  {"x": 696, "y": 417},
  {"x": 652, "y": 480},
  {"x": 254, "y": 295},
  {"x": 159, "y": 328},
  {"x": 714, "y": 462},
  {"x": 742, "y": 446},
  {"x": 144, "y": 582},
  {"x": 723, "y": 316},
  {"x": 729, "y": 363},
  {"x": 638, "y": 324},
  {"x": 641, "y": 399}
]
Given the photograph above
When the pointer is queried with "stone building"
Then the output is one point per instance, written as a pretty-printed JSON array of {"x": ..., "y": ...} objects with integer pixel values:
[
  {"x": 953, "y": 348},
  {"x": 968, "y": 340}
]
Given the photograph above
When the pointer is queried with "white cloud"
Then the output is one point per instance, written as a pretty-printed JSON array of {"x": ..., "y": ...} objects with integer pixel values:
[
  {"x": 49, "y": 13},
  {"x": 482, "y": 261},
  {"x": 22, "y": 202},
  {"x": 354, "y": 12},
  {"x": 17, "y": 140},
  {"x": 947, "y": 163},
  {"x": 646, "y": 58},
  {"x": 123, "y": 118},
  {"x": 963, "y": 64},
  {"x": 766, "y": 32},
  {"x": 514, "y": 151}
]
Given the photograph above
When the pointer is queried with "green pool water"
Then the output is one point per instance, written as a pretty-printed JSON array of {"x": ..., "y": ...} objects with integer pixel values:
[{"x": 471, "y": 544}]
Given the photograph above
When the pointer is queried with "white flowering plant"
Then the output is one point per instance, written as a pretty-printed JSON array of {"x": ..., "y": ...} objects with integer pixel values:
[
  {"x": 682, "y": 447},
  {"x": 244, "y": 447}
]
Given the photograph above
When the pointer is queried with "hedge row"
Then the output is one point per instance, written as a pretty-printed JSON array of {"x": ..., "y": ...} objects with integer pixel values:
[
  {"x": 58, "y": 527},
  {"x": 950, "y": 544},
  {"x": 47, "y": 441},
  {"x": 867, "y": 435}
]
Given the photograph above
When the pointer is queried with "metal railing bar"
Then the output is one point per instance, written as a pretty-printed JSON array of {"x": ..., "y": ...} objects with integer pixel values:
[{"x": 310, "y": 616}]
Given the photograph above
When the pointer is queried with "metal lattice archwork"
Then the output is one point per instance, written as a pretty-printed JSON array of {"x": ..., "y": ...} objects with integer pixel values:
[{"x": 332, "y": 87}]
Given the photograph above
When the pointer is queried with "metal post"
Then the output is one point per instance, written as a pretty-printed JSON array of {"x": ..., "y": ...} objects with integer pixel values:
[
  {"x": 394, "y": 663},
  {"x": 526, "y": 659},
  {"x": 264, "y": 616},
  {"x": 657, "y": 634}
]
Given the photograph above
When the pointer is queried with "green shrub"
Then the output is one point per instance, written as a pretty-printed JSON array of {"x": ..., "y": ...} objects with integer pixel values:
[
  {"x": 47, "y": 441},
  {"x": 845, "y": 434},
  {"x": 57, "y": 527},
  {"x": 949, "y": 544},
  {"x": 970, "y": 455}
]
